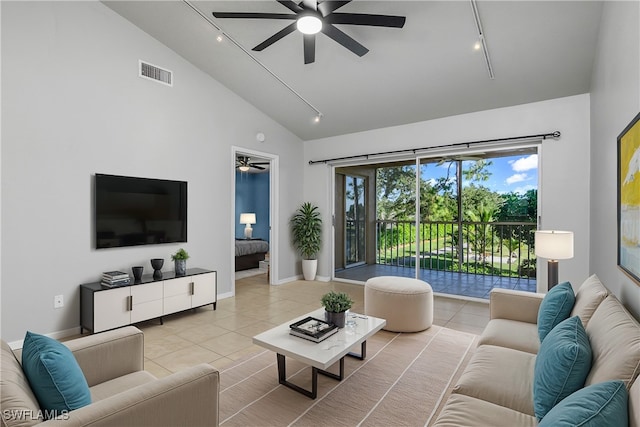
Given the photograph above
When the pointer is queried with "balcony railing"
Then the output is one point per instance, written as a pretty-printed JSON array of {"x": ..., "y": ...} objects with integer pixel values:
[{"x": 494, "y": 248}]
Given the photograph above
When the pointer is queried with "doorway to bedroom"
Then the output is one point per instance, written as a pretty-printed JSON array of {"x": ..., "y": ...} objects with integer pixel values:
[{"x": 253, "y": 240}]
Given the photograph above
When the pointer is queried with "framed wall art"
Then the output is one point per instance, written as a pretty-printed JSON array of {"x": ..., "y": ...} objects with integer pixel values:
[{"x": 629, "y": 199}]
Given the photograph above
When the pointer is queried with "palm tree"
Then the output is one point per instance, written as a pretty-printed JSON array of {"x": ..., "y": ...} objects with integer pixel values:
[{"x": 480, "y": 232}]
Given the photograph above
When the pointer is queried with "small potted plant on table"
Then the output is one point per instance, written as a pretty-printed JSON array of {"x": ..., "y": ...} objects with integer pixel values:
[
  {"x": 336, "y": 305},
  {"x": 180, "y": 258}
]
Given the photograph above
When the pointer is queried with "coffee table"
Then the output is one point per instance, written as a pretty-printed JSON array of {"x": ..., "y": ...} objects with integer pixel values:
[{"x": 320, "y": 355}]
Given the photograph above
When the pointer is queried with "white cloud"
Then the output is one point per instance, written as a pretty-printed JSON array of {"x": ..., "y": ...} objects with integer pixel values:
[
  {"x": 524, "y": 189},
  {"x": 518, "y": 177},
  {"x": 525, "y": 163},
  {"x": 432, "y": 182}
]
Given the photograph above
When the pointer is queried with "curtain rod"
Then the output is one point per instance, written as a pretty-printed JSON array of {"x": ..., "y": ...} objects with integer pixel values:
[{"x": 543, "y": 136}]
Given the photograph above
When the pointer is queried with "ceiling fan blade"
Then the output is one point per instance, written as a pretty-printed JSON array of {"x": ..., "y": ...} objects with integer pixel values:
[
  {"x": 344, "y": 40},
  {"x": 277, "y": 36},
  {"x": 260, "y": 163},
  {"x": 249, "y": 15},
  {"x": 367, "y": 19},
  {"x": 326, "y": 7},
  {"x": 309, "y": 41},
  {"x": 292, "y": 6},
  {"x": 253, "y": 165}
]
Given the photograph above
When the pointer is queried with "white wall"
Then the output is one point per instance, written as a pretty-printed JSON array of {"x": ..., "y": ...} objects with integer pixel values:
[
  {"x": 73, "y": 106},
  {"x": 615, "y": 101},
  {"x": 564, "y": 163}
]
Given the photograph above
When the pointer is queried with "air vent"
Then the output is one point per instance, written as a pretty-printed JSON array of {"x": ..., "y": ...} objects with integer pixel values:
[{"x": 155, "y": 73}]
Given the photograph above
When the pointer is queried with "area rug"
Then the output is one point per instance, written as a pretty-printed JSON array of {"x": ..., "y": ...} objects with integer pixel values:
[{"x": 404, "y": 381}]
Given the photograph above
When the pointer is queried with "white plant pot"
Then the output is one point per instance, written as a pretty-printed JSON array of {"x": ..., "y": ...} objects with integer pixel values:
[{"x": 309, "y": 268}]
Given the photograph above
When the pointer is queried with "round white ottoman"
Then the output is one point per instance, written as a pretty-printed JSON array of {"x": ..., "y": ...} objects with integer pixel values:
[{"x": 406, "y": 304}]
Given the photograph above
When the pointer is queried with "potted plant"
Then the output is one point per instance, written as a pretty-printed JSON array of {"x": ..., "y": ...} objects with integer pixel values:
[
  {"x": 180, "y": 258},
  {"x": 336, "y": 305},
  {"x": 306, "y": 228}
]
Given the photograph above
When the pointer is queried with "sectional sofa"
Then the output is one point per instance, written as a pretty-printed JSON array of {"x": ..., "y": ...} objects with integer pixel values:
[{"x": 501, "y": 385}]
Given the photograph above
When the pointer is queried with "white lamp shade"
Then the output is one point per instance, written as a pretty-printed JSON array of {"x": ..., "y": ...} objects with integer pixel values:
[
  {"x": 247, "y": 218},
  {"x": 554, "y": 244}
]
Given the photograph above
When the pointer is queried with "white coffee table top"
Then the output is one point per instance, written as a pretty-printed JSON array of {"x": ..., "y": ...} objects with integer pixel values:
[{"x": 325, "y": 353}]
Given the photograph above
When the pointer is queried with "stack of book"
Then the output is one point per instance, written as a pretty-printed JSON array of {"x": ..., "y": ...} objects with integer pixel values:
[
  {"x": 312, "y": 329},
  {"x": 115, "y": 278}
]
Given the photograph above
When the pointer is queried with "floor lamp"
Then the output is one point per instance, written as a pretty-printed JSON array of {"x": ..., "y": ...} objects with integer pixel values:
[
  {"x": 248, "y": 219},
  {"x": 554, "y": 245}
]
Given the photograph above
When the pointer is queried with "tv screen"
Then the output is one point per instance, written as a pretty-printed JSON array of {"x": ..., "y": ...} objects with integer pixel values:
[{"x": 139, "y": 211}]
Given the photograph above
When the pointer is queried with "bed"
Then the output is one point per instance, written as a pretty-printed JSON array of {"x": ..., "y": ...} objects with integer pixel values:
[{"x": 249, "y": 253}]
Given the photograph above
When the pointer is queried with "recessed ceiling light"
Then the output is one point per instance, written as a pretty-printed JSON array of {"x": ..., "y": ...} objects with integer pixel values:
[
  {"x": 309, "y": 24},
  {"x": 477, "y": 46},
  {"x": 219, "y": 38}
]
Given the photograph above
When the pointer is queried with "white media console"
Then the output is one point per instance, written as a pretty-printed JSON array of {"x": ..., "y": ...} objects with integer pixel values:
[{"x": 103, "y": 308}]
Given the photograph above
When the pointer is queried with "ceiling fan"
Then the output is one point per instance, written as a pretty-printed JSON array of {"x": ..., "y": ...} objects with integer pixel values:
[
  {"x": 244, "y": 163},
  {"x": 314, "y": 16}
]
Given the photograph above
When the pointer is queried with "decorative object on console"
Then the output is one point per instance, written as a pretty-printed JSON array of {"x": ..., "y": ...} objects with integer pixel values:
[
  {"x": 306, "y": 229},
  {"x": 115, "y": 278},
  {"x": 248, "y": 219},
  {"x": 180, "y": 259},
  {"x": 157, "y": 264},
  {"x": 336, "y": 305},
  {"x": 554, "y": 245},
  {"x": 137, "y": 273},
  {"x": 629, "y": 200}
]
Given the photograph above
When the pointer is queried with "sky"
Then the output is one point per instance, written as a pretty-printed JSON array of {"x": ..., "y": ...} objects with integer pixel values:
[{"x": 516, "y": 174}]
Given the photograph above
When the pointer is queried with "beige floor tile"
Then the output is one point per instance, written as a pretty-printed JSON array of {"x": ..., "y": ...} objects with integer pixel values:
[
  {"x": 156, "y": 370},
  {"x": 243, "y": 352},
  {"x": 465, "y": 328},
  {"x": 228, "y": 343},
  {"x": 479, "y": 308},
  {"x": 186, "y": 357},
  {"x": 154, "y": 348},
  {"x": 221, "y": 363},
  {"x": 256, "y": 328},
  {"x": 470, "y": 319},
  {"x": 202, "y": 333},
  {"x": 236, "y": 322}
]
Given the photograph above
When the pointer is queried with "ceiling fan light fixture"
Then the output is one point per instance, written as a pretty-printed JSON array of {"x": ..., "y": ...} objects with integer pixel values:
[
  {"x": 243, "y": 168},
  {"x": 309, "y": 24}
]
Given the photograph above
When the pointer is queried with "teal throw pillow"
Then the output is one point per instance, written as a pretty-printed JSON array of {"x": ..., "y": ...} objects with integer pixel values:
[
  {"x": 54, "y": 375},
  {"x": 602, "y": 404},
  {"x": 555, "y": 307},
  {"x": 562, "y": 365}
]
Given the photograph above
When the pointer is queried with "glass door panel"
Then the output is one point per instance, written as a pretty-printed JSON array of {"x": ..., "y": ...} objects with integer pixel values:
[{"x": 355, "y": 220}]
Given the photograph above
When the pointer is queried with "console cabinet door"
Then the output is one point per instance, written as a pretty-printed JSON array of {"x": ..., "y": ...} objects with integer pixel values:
[
  {"x": 177, "y": 294},
  {"x": 146, "y": 301},
  {"x": 111, "y": 309},
  {"x": 204, "y": 289}
]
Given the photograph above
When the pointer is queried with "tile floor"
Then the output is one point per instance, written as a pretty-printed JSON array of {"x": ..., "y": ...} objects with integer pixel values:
[{"x": 219, "y": 337}]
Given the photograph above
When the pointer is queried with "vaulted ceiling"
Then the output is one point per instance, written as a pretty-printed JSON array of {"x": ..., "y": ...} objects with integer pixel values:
[{"x": 429, "y": 69}]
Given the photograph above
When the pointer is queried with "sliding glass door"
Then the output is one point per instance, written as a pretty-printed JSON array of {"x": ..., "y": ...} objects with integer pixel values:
[{"x": 355, "y": 216}]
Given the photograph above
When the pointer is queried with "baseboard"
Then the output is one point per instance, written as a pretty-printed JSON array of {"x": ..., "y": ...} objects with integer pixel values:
[
  {"x": 225, "y": 295},
  {"x": 17, "y": 345}
]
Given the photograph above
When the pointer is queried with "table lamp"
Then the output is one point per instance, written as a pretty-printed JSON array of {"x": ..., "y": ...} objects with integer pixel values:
[
  {"x": 248, "y": 219},
  {"x": 554, "y": 245}
]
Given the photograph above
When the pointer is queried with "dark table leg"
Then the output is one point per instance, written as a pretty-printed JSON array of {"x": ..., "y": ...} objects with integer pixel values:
[{"x": 313, "y": 393}]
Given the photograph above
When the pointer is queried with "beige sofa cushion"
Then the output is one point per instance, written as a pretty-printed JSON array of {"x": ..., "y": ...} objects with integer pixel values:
[
  {"x": 588, "y": 297},
  {"x": 120, "y": 384},
  {"x": 513, "y": 334},
  {"x": 634, "y": 405},
  {"x": 615, "y": 342},
  {"x": 19, "y": 405},
  {"x": 500, "y": 375},
  {"x": 461, "y": 410}
]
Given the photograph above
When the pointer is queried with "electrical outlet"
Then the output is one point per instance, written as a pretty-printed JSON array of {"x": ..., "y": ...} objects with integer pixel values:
[{"x": 58, "y": 301}]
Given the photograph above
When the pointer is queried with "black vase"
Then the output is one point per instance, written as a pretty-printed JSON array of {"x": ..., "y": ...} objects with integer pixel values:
[
  {"x": 337, "y": 319},
  {"x": 137, "y": 273},
  {"x": 157, "y": 264}
]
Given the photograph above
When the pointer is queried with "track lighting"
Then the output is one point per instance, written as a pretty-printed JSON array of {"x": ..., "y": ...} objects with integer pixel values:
[
  {"x": 220, "y": 37},
  {"x": 317, "y": 118}
]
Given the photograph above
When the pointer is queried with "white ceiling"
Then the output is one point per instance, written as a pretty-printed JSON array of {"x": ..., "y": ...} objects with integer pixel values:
[{"x": 428, "y": 69}]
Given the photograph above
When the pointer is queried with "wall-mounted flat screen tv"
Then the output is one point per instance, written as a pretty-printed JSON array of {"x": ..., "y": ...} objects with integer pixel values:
[{"x": 139, "y": 211}]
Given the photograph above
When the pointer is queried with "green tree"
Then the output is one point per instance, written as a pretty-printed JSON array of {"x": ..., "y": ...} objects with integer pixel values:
[{"x": 480, "y": 233}]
